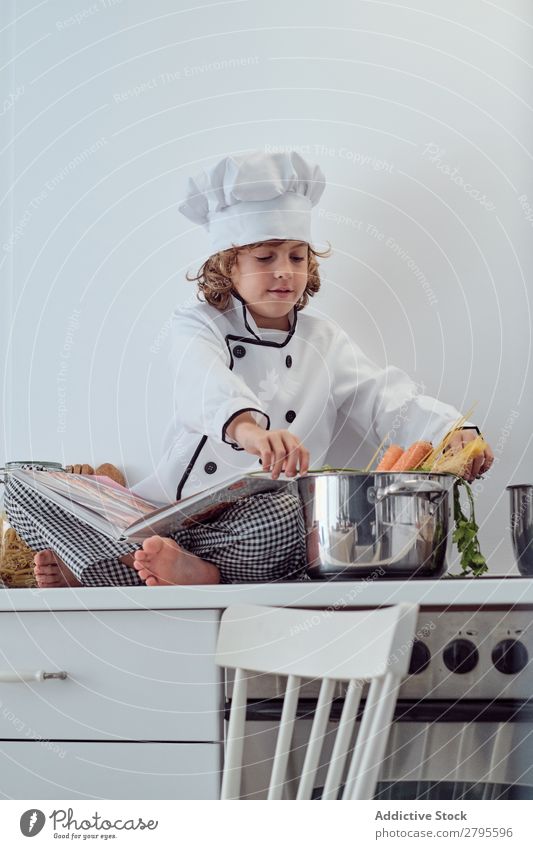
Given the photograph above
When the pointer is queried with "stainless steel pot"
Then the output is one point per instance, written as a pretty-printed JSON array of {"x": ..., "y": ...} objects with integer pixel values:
[
  {"x": 522, "y": 526},
  {"x": 19, "y": 464},
  {"x": 380, "y": 524}
]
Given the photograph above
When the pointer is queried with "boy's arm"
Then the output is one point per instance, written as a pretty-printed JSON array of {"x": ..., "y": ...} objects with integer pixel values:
[
  {"x": 208, "y": 395},
  {"x": 279, "y": 450},
  {"x": 238, "y": 425},
  {"x": 385, "y": 402}
]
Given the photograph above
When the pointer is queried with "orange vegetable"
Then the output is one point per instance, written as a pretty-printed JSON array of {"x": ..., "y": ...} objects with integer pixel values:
[
  {"x": 390, "y": 457},
  {"x": 413, "y": 457}
]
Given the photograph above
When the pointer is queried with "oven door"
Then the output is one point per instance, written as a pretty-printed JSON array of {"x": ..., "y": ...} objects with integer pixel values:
[{"x": 437, "y": 749}]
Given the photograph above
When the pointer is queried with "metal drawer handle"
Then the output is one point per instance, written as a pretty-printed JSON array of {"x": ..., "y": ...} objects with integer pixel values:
[{"x": 26, "y": 675}]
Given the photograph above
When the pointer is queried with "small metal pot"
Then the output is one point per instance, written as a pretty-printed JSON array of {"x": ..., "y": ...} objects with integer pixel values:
[
  {"x": 382, "y": 524},
  {"x": 19, "y": 464},
  {"x": 522, "y": 526}
]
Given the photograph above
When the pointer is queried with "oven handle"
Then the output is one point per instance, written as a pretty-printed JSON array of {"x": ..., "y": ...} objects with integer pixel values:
[{"x": 407, "y": 710}]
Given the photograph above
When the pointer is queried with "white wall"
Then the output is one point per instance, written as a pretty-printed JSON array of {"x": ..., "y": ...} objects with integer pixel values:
[{"x": 422, "y": 121}]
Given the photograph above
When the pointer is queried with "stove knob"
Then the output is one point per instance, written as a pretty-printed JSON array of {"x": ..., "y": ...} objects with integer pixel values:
[
  {"x": 510, "y": 656},
  {"x": 460, "y": 656},
  {"x": 420, "y": 657}
]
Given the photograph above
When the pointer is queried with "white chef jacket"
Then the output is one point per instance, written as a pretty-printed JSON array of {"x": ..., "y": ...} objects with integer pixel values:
[{"x": 224, "y": 364}]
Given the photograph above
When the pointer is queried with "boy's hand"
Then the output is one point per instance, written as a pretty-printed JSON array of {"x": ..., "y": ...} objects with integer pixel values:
[
  {"x": 477, "y": 466},
  {"x": 279, "y": 450}
]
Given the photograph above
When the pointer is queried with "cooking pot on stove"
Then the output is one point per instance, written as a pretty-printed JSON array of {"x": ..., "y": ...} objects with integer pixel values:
[{"x": 378, "y": 524}]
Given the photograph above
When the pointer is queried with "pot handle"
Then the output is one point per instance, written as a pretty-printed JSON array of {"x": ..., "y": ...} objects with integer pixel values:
[{"x": 413, "y": 487}]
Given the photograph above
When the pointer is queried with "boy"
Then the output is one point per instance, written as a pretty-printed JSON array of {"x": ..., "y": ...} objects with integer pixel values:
[{"x": 247, "y": 365}]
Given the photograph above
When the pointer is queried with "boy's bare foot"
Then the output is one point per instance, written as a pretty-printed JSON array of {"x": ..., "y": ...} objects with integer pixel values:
[
  {"x": 161, "y": 562},
  {"x": 51, "y": 572}
]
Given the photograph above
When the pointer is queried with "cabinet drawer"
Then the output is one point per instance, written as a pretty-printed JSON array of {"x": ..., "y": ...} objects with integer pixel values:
[
  {"x": 31, "y": 770},
  {"x": 132, "y": 675}
]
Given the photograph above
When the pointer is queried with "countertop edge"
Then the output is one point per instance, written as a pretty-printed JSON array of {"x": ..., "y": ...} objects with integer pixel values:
[{"x": 334, "y": 595}]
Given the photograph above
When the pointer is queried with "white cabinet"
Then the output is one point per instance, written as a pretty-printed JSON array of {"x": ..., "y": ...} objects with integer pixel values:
[
  {"x": 109, "y": 770},
  {"x": 140, "y": 712},
  {"x": 132, "y": 675}
]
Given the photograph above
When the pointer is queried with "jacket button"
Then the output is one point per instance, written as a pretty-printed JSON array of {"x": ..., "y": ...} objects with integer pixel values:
[
  {"x": 290, "y": 415},
  {"x": 239, "y": 351},
  {"x": 288, "y": 361},
  {"x": 210, "y": 468}
]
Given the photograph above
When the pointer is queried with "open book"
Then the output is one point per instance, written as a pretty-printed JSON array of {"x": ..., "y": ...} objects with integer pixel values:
[{"x": 120, "y": 514}]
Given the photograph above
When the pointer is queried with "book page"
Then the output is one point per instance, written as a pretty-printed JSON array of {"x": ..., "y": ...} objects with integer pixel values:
[
  {"x": 106, "y": 498},
  {"x": 205, "y": 506}
]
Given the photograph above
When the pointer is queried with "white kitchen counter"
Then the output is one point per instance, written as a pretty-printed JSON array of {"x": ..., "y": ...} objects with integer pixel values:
[
  {"x": 141, "y": 696},
  {"x": 442, "y": 592}
]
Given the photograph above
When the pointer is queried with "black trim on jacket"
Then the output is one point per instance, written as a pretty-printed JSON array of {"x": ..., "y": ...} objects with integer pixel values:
[
  {"x": 234, "y": 416},
  {"x": 244, "y": 316},
  {"x": 190, "y": 466},
  {"x": 256, "y": 340}
]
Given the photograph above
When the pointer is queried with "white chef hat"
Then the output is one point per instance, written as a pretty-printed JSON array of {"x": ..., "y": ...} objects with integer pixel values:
[{"x": 255, "y": 197}]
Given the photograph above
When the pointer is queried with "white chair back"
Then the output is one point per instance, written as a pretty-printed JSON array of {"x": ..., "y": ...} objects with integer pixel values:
[{"x": 353, "y": 646}]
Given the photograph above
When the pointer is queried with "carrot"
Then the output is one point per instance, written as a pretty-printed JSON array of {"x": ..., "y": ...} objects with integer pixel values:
[
  {"x": 390, "y": 457},
  {"x": 413, "y": 457}
]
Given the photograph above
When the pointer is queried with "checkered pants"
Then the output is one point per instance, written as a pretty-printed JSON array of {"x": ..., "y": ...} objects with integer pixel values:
[{"x": 259, "y": 538}]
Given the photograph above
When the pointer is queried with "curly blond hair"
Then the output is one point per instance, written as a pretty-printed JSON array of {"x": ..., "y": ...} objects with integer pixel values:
[{"x": 214, "y": 277}]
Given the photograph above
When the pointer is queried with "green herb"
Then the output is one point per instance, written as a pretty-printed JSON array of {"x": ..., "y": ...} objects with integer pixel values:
[{"x": 465, "y": 534}]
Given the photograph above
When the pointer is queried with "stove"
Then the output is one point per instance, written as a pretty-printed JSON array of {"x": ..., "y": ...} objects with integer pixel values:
[
  {"x": 471, "y": 654},
  {"x": 463, "y": 725}
]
